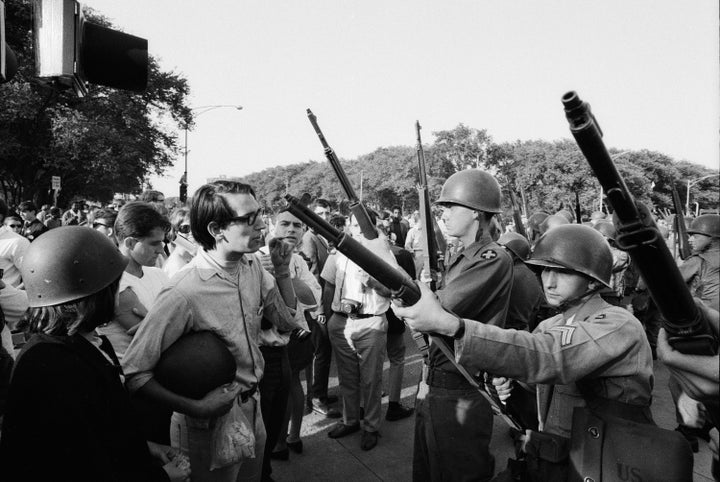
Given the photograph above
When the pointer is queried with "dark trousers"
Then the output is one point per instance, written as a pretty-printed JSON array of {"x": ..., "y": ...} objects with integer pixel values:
[
  {"x": 321, "y": 363},
  {"x": 453, "y": 428},
  {"x": 274, "y": 390}
]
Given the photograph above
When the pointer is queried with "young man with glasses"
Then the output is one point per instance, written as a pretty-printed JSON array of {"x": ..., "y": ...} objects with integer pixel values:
[
  {"x": 105, "y": 223},
  {"x": 226, "y": 291}
]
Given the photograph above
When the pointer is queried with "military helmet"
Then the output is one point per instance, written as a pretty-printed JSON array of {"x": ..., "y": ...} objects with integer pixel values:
[
  {"x": 69, "y": 263},
  {"x": 516, "y": 243},
  {"x": 566, "y": 214},
  {"x": 536, "y": 219},
  {"x": 577, "y": 248},
  {"x": 597, "y": 215},
  {"x": 707, "y": 224},
  {"x": 552, "y": 221},
  {"x": 472, "y": 188},
  {"x": 606, "y": 228}
]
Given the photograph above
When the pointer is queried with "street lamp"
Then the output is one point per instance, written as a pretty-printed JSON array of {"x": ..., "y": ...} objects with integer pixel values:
[
  {"x": 691, "y": 184},
  {"x": 200, "y": 111}
]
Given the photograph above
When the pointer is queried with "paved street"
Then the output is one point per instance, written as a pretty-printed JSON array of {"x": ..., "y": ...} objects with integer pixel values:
[{"x": 325, "y": 459}]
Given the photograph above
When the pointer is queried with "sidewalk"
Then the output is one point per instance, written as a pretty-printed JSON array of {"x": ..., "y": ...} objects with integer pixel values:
[{"x": 325, "y": 459}]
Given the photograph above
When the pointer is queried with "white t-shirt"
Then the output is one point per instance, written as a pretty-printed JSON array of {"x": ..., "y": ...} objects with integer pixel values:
[{"x": 12, "y": 251}]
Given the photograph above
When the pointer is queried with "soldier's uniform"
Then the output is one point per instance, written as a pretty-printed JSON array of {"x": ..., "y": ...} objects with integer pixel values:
[
  {"x": 454, "y": 422},
  {"x": 702, "y": 273}
]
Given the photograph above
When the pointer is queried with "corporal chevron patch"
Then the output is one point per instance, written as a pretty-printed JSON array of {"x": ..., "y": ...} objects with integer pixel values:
[{"x": 566, "y": 334}]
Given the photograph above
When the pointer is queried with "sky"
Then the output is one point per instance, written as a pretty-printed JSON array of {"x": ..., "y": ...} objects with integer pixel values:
[{"x": 369, "y": 68}]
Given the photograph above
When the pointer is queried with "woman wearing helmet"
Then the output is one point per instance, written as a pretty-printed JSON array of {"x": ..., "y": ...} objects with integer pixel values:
[
  {"x": 592, "y": 353},
  {"x": 68, "y": 416}
]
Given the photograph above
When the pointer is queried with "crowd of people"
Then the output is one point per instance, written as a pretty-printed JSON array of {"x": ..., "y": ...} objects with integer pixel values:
[{"x": 557, "y": 318}]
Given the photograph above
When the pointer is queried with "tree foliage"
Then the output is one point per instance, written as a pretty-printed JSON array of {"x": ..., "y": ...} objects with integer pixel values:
[{"x": 109, "y": 141}]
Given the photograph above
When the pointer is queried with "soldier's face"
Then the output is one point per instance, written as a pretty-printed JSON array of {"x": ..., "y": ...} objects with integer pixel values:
[
  {"x": 699, "y": 242},
  {"x": 561, "y": 286},
  {"x": 458, "y": 219}
]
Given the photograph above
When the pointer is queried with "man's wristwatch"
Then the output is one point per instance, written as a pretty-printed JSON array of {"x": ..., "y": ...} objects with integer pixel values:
[{"x": 460, "y": 332}]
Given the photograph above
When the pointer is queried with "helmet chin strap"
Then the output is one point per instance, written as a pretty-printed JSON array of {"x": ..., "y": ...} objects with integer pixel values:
[{"x": 580, "y": 299}]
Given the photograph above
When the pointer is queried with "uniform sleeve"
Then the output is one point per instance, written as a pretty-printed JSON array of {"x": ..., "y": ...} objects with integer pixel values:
[
  {"x": 690, "y": 268},
  {"x": 608, "y": 343},
  {"x": 471, "y": 291},
  {"x": 169, "y": 318}
]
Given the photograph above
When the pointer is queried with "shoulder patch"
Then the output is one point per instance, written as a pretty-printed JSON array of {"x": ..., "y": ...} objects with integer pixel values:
[
  {"x": 566, "y": 333},
  {"x": 489, "y": 254}
]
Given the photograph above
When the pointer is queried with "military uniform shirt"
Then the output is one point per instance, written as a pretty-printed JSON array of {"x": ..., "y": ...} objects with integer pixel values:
[
  {"x": 603, "y": 345},
  {"x": 702, "y": 272}
]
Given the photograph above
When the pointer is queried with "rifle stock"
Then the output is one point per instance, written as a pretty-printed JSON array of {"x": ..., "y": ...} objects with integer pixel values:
[
  {"x": 680, "y": 229},
  {"x": 638, "y": 234},
  {"x": 356, "y": 206}
]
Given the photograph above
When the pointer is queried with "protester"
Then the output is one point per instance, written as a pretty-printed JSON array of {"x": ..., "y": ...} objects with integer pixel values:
[{"x": 32, "y": 226}]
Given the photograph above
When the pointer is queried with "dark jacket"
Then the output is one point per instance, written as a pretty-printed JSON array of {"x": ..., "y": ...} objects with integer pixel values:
[{"x": 68, "y": 417}]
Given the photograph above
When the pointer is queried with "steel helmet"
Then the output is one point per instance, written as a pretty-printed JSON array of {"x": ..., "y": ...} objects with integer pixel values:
[
  {"x": 552, "y": 221},
  {"x": 597, "y": 215},
  {"x": 536, "y": 219},
  {"x": 472, "y": 188},
  {"x": 575, "y": 247},
  {"x": 606, "y": 228},
  {"x": 707, "y": 224},
  {"x": 517, "y": 243},
  {"x": 69, "y": 263},
  {"x": 566, "y": 214}
]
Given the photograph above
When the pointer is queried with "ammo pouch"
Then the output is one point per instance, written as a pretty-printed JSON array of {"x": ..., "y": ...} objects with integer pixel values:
[{"x": 615, "y": 449}]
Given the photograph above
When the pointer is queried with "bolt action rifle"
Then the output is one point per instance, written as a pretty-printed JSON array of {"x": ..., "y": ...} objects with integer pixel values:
[
  {"x": 517, "y": 216},
  {"x": 681, "y": 233},
  {"x": 396, "y": 280},
  {"x": 637, "y": 233},
  {"x": 356, "y": 206}
]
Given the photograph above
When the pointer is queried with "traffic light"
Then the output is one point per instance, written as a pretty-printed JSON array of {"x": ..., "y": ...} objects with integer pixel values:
[
  {"x": 76, "y": 52},
  {"x": 8, "y": 61},
  {"x": 183, "y": 192}
]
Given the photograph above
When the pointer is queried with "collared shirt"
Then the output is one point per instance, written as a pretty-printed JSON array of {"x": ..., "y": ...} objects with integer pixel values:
[
  {"x": 351, "y": 281},
  {"x": 702, "y": 273},
  {"x": 12, "y": 251},
  {"x": 476, "y": 285},
  {"x": 204, "y": 297},
  {"x": 602, "y": 345}
]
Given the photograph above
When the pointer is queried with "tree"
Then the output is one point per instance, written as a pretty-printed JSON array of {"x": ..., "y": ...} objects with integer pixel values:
[
  {"x": 109, "y": 141},
  {"x": 462, "y": 146}
]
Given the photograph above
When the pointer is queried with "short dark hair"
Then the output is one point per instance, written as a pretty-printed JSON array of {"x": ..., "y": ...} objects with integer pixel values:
[
  {"x": 396, "y": 207},
  {"x": 137, "y": 219},
  {"x": 106, "y": 213},
  {"x": 338, "y": 221},
  {"x": 66, "y": 319},
  {"x": 27, "y": 206},
  {"x": 55, "y": 211},
  {"x": 324, "y": 203},
  {"x": 209, "y": 205}
]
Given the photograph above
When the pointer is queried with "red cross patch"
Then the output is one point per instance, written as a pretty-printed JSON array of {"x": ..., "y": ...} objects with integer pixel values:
[{"x": 489, "y": 254}]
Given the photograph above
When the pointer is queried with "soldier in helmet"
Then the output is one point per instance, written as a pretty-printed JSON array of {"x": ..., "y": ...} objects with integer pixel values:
[
  {"x": 526, "y": 296},
  {"x": 476, "y": 284},
  {"x": 533, "y": 225},
  {"x": 701, "y": 269},
  {"x": 621, "y": 261},
  {"x": 68, "y": 416},
  {"x": 591, "y": 354}
]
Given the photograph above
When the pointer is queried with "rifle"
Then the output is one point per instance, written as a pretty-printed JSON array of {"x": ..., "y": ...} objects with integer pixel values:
[
  {"x": 517, "y": 216},
  {"x": 680, "y": 228},
  {"x": 397, "y": 281},
  {"x": 433, "y": 241},
  {"x": 356, "y": 206},
  {"x": 638, "y": 234},
  {"x": 578, "y": 216}
]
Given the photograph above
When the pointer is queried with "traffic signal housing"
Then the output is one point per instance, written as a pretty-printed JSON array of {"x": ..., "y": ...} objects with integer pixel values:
[
  {"x": 8, "y": 61},
  {"x": 75, "y": 52}
]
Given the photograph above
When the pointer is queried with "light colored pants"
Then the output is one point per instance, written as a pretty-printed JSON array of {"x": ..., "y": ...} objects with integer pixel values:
[
  {"x": 359, "y": 347},
  {"x": 194, "y": 438},
  {"x": 396, "y": 357}
]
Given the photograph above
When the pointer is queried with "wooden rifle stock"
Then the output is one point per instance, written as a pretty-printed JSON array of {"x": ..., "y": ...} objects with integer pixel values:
[
  {"x": 638, "y": 234},
  {"x": 517, "y": 216},
  {"x": 356, "y": 206}
]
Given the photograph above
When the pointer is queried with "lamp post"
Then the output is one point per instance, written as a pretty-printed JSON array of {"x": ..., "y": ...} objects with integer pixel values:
[
  {"x": 691, "y": 184},
  {"x": 200, "y": 111}
]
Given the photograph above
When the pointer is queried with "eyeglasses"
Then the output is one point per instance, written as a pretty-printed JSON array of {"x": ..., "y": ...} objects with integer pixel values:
[
  {"x": 184, "y": 229},
  {"x": 96, "y": 224},
  {"x": 247, "y": 218},
  {"x": 15, "y": 225}
]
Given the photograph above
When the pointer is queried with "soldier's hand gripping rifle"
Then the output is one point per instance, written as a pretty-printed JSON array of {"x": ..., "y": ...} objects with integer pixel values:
[
  {"x": 681, "y": 233},
  {"x": 517, "y": 216},
  {"x": 396, "y": 280},
  {"x": 356, "y": 206},
  {"x": 638, "y": 234}
]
